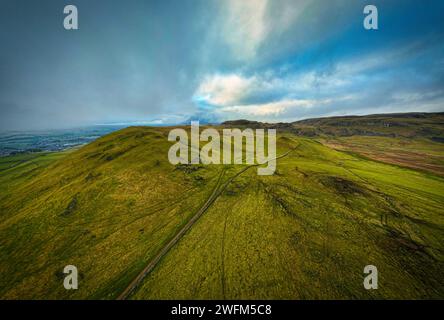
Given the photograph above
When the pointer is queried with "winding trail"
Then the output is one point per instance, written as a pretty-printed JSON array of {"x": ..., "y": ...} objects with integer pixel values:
[
  {"x": 218, "y": 189},
  {"x": 135, "y": 283}
]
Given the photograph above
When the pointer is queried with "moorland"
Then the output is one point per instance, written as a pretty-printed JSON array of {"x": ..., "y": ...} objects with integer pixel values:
[{"x": 347, "y": 192}]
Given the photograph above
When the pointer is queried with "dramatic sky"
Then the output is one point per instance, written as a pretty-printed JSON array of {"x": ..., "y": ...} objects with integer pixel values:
[{"x": 166, "y": 62}]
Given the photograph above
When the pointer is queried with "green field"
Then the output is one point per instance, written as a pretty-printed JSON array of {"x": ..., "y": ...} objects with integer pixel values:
[{"x": 112, "y": 206}]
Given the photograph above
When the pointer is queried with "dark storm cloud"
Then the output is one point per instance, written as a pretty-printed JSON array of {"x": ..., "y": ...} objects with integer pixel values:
[{"x": 128, "y": 60}]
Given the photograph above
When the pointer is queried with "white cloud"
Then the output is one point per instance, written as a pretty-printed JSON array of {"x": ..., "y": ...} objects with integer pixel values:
[
  {"x": 285, "y": 95},
  {"x": 246, "y": 24},
  {"x": 267, "y": 109},
  {"x": 233, "y": 89},
  {"x": 283, "y": 108},
  {"x": 224, "y": 90}
]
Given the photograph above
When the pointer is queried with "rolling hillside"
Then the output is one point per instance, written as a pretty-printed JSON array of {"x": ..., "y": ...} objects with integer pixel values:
[
  {"x": 406, "y": 125},
  {"x": 116, "y": 206}
]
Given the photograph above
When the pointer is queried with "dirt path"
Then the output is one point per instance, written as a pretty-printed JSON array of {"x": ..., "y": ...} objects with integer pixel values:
[
  {"x": 135, "y": 283},
  {"x": 214, "y": 195}
]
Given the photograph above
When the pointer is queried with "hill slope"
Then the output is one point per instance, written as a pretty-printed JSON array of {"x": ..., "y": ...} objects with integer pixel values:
[
  {"x": 306, "y": 232},
  {"x": 407, "y": 125}
]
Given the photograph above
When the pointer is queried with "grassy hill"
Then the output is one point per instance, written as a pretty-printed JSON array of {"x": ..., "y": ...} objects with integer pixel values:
[
  {"x": 430, "y": 125},
  {"x": 113, "y": 206},
  {"x": 407, "y": 125}
]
